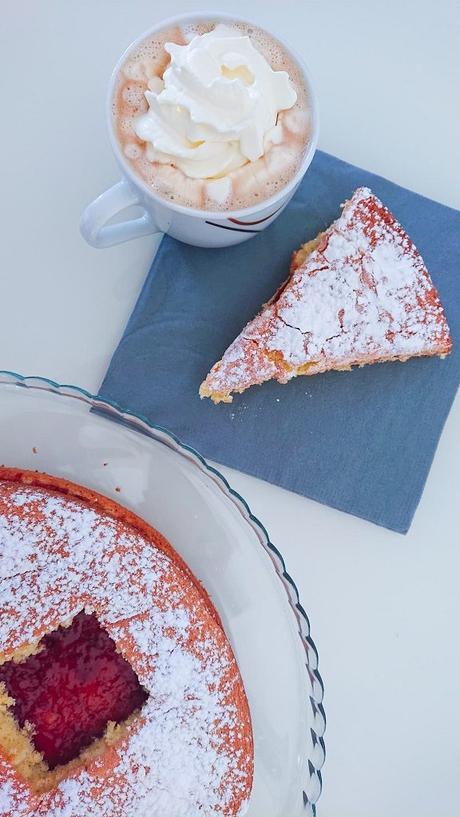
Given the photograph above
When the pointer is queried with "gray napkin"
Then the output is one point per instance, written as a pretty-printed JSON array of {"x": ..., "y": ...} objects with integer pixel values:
[{"x": 361, "y": 441}]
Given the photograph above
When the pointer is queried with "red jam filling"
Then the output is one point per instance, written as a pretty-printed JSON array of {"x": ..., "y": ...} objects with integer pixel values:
[{"x": 71, "y": 689}]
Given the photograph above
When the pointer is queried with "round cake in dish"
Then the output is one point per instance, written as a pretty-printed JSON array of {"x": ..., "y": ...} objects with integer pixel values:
[{"x": 119, "y": 692}]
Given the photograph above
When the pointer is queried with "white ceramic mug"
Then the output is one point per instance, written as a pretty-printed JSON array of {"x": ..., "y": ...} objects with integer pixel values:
[{"x": 202, "y": 228}]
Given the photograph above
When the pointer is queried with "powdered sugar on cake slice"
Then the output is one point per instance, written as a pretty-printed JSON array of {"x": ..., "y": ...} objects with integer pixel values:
[{"x": 361, "y": 295}]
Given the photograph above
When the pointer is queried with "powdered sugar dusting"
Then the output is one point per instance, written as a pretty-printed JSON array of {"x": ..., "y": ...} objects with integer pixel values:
[
  {"x": 362, "y": 295},
  {"x": 15, "y": 799},
  {"x": 190, "y": 751},
  {"x": 6, "y": 797}
]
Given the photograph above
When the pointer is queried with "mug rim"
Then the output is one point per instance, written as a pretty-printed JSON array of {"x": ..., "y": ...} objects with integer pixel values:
[{"x": 196, "y": 212}]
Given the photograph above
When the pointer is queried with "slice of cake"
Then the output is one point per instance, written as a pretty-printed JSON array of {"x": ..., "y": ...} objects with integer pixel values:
[{"x": 358, "y": 293}]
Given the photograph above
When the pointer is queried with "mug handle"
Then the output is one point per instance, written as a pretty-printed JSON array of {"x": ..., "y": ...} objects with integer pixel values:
[{"x": 93, "y": 224}]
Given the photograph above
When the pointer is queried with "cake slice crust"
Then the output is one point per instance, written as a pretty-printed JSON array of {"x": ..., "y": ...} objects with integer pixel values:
[{"x": 358, "y": 293}]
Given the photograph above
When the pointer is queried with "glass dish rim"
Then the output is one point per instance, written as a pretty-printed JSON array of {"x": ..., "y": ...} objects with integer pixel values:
[{"x": 141, "y": 424}]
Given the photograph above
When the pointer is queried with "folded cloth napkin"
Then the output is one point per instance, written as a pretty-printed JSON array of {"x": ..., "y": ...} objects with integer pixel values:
[{"x": 361, "y": 441}]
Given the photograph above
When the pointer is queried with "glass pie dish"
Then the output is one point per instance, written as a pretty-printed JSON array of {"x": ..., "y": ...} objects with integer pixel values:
[{"x": 65, "y": 431}]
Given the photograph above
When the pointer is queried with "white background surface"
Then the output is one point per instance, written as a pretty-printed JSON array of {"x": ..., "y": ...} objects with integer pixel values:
[{"x": 384, "y": 608}]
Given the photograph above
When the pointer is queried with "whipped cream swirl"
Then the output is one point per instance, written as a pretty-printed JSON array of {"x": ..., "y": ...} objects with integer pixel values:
[{"x": 216, "y": 106}]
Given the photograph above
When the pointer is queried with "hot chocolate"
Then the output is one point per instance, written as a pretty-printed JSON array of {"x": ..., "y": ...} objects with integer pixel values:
[{"x": 212, "y": 116}]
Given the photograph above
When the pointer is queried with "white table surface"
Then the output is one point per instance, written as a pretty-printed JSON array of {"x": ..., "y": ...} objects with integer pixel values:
[{"x": 384, "y": 608}]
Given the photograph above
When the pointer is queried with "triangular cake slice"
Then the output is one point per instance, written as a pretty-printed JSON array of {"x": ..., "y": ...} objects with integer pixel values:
[{"x": 358, "y": 293}]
